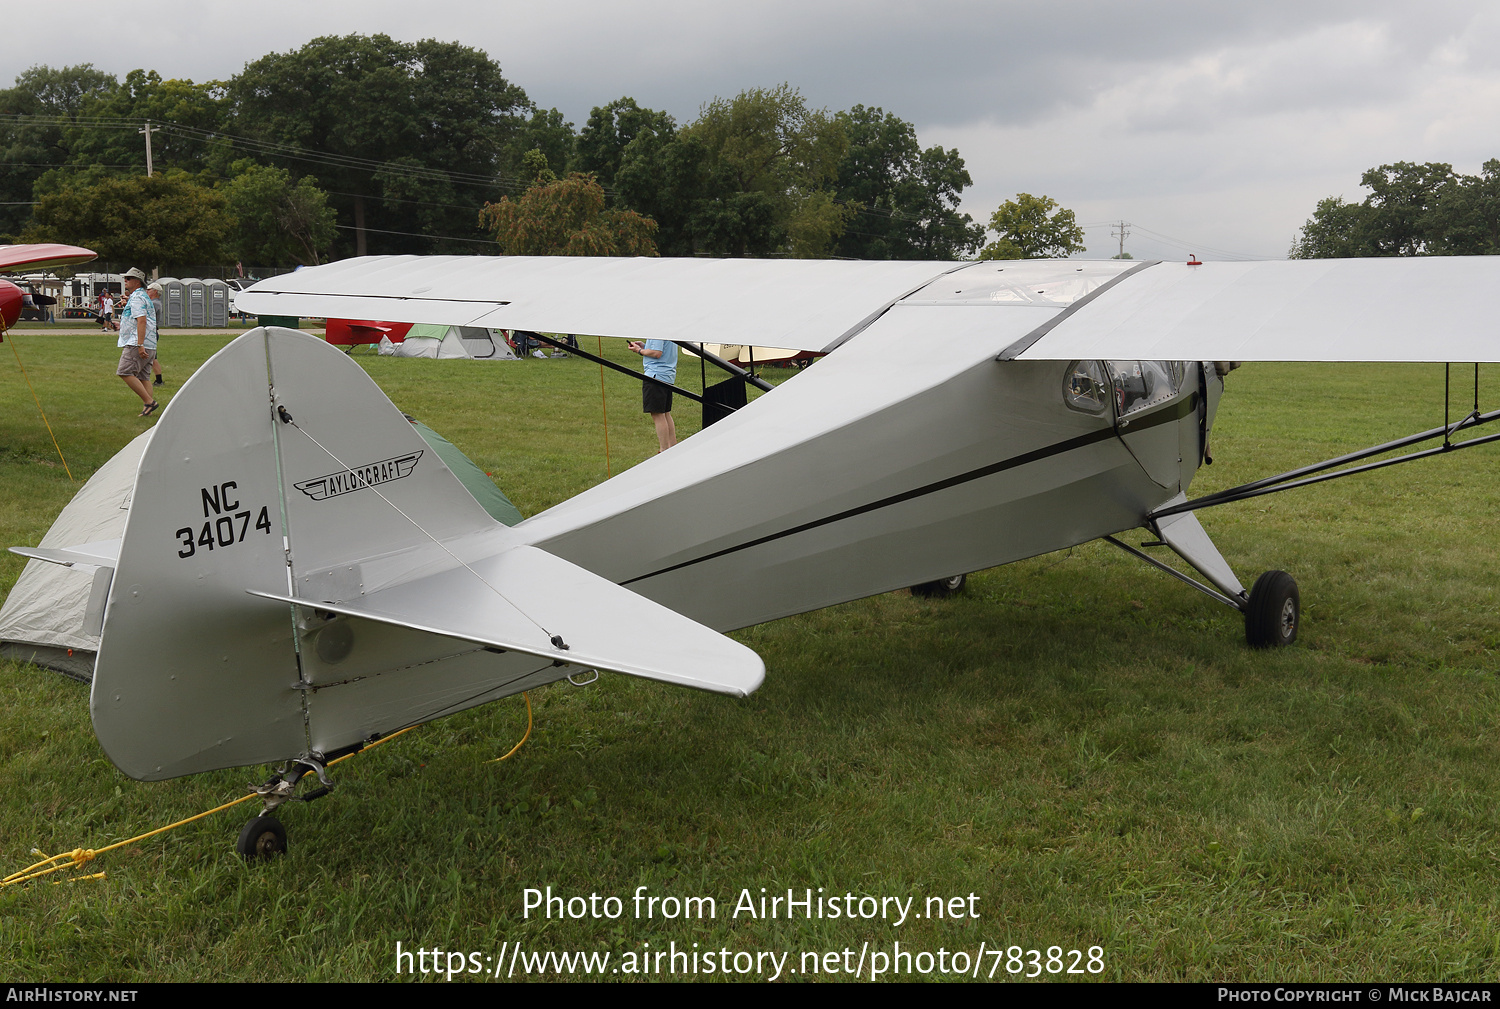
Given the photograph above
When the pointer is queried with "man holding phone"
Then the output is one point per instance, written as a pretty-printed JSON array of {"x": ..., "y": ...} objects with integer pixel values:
[{"x": 659, "y": 358}]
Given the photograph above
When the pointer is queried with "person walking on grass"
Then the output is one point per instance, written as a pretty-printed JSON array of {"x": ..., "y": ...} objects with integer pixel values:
[
  {"x": 107, "y": 313},
  {"x": 137, "y": 341},
  {"x": 153, "y": 295},
  {"x": 659, "y": 358}
]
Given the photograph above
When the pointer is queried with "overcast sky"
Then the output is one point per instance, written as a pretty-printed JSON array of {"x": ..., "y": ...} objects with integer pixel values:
[{"x": 1211, "y": 127}]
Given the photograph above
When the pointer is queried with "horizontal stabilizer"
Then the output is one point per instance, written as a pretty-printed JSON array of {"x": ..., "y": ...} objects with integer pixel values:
[
  {"x": 519, "y": 599},
  {"x": 105, "y": 553}
]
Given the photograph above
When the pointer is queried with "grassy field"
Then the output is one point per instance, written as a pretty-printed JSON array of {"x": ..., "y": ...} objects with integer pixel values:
[{"x": 1085, "y": 745}]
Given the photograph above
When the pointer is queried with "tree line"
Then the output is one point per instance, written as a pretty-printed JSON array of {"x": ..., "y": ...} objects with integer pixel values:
[
  {"x": 1412, "y": 210},
  {"x": 366, "y": 145}
]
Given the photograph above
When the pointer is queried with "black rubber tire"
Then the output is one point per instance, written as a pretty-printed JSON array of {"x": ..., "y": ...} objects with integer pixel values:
[
  {"x": 942, "y": 588},
  {"x": 262, "y": 839},
  {"x": 1274, "y": 612}
]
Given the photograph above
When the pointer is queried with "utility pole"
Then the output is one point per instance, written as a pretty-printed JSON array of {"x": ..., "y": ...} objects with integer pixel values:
[
  {"x": 149, "y": 168},
  {"x": 1122, "y": 234},
  {"x": 148, "y": 131}
]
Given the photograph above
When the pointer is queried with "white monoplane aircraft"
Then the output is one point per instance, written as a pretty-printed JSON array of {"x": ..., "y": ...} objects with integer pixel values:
[{"x": 298, "y": 576}]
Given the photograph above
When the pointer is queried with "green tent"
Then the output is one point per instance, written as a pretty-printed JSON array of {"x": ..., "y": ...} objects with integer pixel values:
[{"x": 473, "y": 478}]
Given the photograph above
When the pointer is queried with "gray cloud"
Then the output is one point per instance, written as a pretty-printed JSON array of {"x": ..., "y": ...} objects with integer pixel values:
[{"x": 1222, "y": 123}]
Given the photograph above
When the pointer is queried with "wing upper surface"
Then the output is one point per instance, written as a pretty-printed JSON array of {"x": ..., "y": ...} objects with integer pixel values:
[
  {"x": 1396, "y": 309},
  {"x": 805, "y": 304}
]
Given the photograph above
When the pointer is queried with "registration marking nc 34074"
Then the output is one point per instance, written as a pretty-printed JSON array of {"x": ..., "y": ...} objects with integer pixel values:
[{"x": 224, "y": 525}]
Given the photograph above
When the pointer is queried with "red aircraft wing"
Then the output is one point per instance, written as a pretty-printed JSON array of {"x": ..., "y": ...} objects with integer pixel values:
[{"x": 14, "y": 258}]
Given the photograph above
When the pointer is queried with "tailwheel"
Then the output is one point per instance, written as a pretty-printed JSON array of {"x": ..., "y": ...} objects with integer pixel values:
[
  {"x": 942, "y": 588},
  {"x": 262, "y": 839},
  {"x": 1274, "y": 611}
]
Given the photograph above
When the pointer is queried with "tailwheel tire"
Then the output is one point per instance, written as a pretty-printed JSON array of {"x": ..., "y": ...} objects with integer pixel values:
[
  {"x": 262, "y": 839},
  {"x": 942, "y": 588},
  {"x": 1274, "y": 612}
]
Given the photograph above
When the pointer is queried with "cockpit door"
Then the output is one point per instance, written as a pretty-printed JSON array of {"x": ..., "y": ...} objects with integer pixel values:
[{"x": 1156, "y": 414}]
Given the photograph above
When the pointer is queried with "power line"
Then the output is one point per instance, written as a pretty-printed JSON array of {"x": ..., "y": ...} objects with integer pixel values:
[{"x": 415, "y": 234}]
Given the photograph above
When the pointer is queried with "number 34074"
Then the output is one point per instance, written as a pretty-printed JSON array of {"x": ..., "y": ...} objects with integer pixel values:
[{"x": 224, "y": 531}]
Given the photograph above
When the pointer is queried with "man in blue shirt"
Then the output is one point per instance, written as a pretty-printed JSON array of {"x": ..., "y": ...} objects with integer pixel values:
[
  {"x": 659, "y": 357},
  {"x": 137, "y": 341}
]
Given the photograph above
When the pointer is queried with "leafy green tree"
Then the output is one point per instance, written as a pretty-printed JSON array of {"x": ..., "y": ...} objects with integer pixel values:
[
  {"x": 664, "y": 175},
  {"x": 768, "y": 156},
  {"x": 278, "y": 222},
  {"x": 907, "y": 198},
  {"x": 1336, "y": 230},
  {"x": 1402, "y": 197},
  {"x": 415, "y": 135},
  {"x": 1400, "y": 217},
  {"x": 27, "y": 150},
  {"x": 566, "y": 217},
  {"x": 190, "y": 116},
  {"x": 1033, "y": 227},
  {"x": 610, "y": 129},
  {"x": 149, "y": 222},
  {"x": 545, "y": 131},
  {"x": 1466, "y": 220}
]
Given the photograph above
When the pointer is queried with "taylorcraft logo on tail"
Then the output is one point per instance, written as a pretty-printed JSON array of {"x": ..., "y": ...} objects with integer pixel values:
[{"x": 360, "y": 477}]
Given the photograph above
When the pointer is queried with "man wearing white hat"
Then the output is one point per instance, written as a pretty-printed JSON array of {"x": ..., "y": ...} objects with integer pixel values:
[{"x": 137, "y": 341}]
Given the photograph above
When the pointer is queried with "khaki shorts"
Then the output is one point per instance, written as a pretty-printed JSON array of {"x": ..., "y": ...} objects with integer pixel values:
[{"x": 133, "y": 364}]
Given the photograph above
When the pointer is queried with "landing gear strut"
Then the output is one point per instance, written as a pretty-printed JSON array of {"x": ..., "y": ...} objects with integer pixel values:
[{"x": 264, "y": 837}]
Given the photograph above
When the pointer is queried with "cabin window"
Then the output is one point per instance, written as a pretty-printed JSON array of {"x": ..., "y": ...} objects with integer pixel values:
[
  {"x": 1085, "y": 387},
  {"x": 1139, "y": 385}
]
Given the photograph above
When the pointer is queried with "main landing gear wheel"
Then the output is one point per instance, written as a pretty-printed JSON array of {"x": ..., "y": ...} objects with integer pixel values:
[
  {"x": 1274, "y": 611},
  {"x": 940, "y": 589},
  {"x": 262, "y": 839}
]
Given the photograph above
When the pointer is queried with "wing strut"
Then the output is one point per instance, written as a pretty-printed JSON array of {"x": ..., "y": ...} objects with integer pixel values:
[
  {"x": 1304, "y": 476},
  {"x": 638, "y": 376}
]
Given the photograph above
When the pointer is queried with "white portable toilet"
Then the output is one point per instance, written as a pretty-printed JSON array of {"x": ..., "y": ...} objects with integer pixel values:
[
  {"x": 195, "y": 303},
  {"x": 172, "y": 311},
  {"x": 217, "y": 310}
]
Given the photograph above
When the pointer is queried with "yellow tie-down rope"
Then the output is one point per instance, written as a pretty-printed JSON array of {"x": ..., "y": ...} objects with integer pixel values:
[
  {"x": 7, "y": 332},
  {"x": 79, "y": 857}
]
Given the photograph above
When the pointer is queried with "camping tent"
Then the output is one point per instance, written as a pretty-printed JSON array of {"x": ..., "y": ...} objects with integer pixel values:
[
  {"x": 449, "y": 343},
  {"x": 53, "y": 615}
]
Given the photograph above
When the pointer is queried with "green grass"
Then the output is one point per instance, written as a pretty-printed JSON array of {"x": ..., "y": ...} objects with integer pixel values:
[{"x": 1085, "y": 744}]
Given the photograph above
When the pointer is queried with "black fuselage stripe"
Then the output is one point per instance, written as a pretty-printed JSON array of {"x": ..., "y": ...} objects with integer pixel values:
[{"x": 1184, "y": 407}]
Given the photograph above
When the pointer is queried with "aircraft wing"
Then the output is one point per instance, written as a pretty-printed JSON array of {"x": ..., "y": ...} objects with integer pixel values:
[
  {"x": 14, "y": 258},
  {"x": 802, "y": 304},
  {"x": 1395, "y": 309}
]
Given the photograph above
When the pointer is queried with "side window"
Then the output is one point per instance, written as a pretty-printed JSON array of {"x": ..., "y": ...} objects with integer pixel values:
[
  {"x": 1085, "y": 388},
  {"x": 1142, "y": 384}
]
